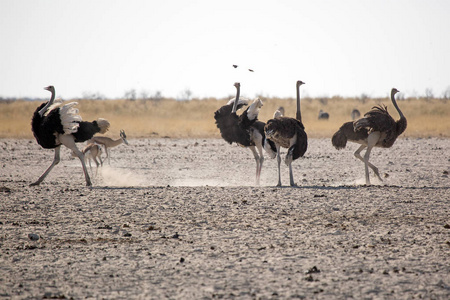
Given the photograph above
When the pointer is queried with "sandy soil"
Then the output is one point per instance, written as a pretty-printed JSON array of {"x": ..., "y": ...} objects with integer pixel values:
[{"x": 181, "y": 219}]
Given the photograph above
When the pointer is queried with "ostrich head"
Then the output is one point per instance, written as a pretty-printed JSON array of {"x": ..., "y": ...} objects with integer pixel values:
[
  {"x": 299, "y": 83},
  {"x": 237, "y": 85},
  {"x": 50, "y": 88},
  {"x": 394, "y": 91}
]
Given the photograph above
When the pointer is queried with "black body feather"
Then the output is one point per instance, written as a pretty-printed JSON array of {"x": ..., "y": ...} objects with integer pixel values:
[
  {"x": 46, "y": 128},
  {"x": 378, "y": 119},
  {"x": 232, "y": 129},
  {"x": 86, "y": 131},
  {"x": 347, "y": 133},
  {"x": 281, "y": 130}
]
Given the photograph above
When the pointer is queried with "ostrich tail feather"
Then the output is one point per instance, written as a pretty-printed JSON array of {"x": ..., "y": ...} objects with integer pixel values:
[
  {"x": 253, "y": 109},
  {"x": 242, "y": 101},
  {"x": 69, "y": 117},
  {"x": 339, "y": 140}
]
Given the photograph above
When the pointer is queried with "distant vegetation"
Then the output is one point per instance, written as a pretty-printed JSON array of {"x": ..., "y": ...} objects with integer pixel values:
[{"x": 194, "y": 119}]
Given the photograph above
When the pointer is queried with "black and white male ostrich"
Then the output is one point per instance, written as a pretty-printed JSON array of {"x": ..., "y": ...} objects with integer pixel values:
[
  {"x": 244, "y": 130},
  {"x": 55, "y": 124},
  {"x": 288, "y": 133},
  {"x": 376, "y": 129}
]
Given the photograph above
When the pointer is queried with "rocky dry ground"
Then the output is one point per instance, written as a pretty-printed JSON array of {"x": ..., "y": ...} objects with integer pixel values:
[{"x": 182, "y": 219}]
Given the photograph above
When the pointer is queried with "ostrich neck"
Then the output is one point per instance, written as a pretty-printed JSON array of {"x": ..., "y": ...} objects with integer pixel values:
[
  {"x": 236, "y": 101},
  {"x": 401, "y": 124},
  {"x": 396, "y": 106},
  {"x": 298, "y": 115},
  {"x": 44, "y": 109}
]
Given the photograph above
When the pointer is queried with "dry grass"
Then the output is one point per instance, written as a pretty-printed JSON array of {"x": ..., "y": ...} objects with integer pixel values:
[{"x": 194, "y": 119}]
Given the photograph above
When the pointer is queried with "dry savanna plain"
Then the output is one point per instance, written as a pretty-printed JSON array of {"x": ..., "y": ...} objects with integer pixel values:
[{"x": 176, "y": 213}]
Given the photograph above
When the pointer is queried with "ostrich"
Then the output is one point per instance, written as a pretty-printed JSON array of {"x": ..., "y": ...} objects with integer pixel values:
[
  {"x": 355, "y": 114},
  {"x": 376, "y": 129},
  {"x": 288, "y": 133},
  {"x": 244, "y": 130},
  {"x": 55, "y": 124},
  {"x": 323, "y": 115},
  {"x": 109, "y": 142}
]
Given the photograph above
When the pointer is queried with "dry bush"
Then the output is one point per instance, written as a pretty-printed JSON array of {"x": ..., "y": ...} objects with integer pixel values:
[{"x": 194, "y": 119}]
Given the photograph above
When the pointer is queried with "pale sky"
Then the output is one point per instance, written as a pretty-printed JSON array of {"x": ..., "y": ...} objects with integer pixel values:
[{"x": 345, "y": 47}]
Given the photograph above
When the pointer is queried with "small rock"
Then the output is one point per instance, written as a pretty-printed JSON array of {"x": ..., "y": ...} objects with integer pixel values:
[
  {"x": 182, "y": 260},
  {"x": 313, "y": 270},
  {"x": 309, "y": 278},
  {"x": 5, "y": 189},
  {"x": 447, "y": 226},
  {"x": 127, "y": 234},
  {"x": 33, "y": 236}
]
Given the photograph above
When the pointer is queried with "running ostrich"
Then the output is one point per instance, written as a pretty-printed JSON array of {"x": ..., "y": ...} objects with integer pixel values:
[
  {"x": 244, "y": 130},
  {"x": 107, "y": 142},
  {"x": 376, "y": 129},
  {"x": 288, "y": 133},
  {"x": 56, "y": 124}
]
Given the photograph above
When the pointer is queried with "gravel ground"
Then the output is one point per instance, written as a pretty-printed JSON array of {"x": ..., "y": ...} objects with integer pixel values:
[{"x": 182, "y": 219}]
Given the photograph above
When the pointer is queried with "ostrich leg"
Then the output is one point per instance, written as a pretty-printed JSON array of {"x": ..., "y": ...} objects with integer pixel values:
[
  {"x": 279, "y": 163},
  {"x": 289, "y": 157},
  {"x": 291, "y": 175},
  {"x": 261, "y": 157},
  {"x": 54, "y": 163},
  {"x": 371, "y": 142},
  {"x": 258, "y": 164},
  {"x": 69, "y": 142},
  {"x": 358, "y": 156}
]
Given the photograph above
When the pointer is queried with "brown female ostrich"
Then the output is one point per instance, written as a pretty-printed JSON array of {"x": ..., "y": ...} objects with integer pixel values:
[
  {"x": 56, "y": 124},
  {"x": 376, "y": 129},
  {"x": 244, "y": 130},
  {"x": 288, "y": 133}
]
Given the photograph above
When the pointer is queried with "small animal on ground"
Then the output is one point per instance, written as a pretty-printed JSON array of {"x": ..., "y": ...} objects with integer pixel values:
[{"x": 107, "y": 142}]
